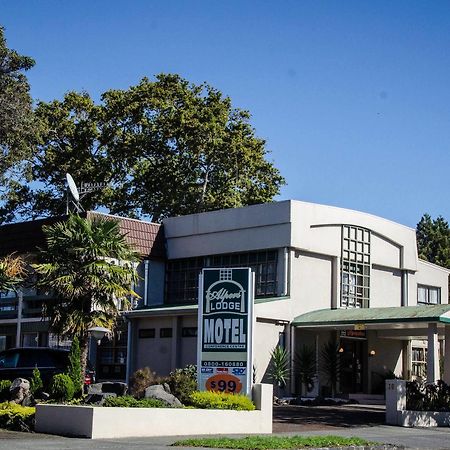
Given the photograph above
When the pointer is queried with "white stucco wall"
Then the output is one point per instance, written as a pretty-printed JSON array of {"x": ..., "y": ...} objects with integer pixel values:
[
  {"x": 311, "y": 282},
  {"x": 431, "y": 275},
  {"x": 385, "y": 287},
  {"x": 266, "y": 336}
]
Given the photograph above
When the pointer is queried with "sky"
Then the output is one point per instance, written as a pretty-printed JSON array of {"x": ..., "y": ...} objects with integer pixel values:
[{"x": 352, "y": 97}]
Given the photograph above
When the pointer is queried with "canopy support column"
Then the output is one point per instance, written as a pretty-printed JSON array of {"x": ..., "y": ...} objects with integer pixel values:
[
  {"x": 446, "y": 376},
  {"x": 433, "y": 354}
]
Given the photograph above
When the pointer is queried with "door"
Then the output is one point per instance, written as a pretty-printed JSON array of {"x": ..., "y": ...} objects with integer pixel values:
[{"x": 352, "y": 365}]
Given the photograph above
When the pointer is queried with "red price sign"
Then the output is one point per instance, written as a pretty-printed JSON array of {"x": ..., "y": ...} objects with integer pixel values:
[{"x": 224, "y": 383}]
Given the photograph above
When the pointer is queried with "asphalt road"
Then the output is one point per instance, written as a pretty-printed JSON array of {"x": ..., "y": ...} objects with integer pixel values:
[{"x": 364, "y": 422}]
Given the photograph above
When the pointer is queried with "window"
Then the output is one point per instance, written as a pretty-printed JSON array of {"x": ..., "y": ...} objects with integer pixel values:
[
  {"x": 189, "y": 332},
  {"x": 428, "y": 295},
  {"x": 30, "y": 340},
  {"x": 165, "y": 333},
  {"x": 355, "y": 267},
  {"x": 146, "y": 333},
  {"x": 182, "y": 274},
  {"x": 419, "y": 362}
]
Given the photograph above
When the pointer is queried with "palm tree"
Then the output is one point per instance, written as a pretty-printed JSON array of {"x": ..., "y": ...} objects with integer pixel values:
[
  {"x": 89, "y": 268},
  {"x": 12, "y": 272}
]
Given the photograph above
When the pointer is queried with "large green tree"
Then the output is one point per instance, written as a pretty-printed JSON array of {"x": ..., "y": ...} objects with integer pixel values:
[
  {"x": 433, "y": 240},
  {"x": 88, "y": 266},
  {"x": 165, "y": 147},
  {"x": 18, "y": 128}
]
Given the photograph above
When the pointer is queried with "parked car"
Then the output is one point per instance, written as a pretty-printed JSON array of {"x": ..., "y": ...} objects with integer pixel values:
[{"x": 20, "y": 362}]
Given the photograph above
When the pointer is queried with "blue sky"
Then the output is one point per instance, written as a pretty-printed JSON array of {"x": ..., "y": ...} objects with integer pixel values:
[{"x": 352, "y": 97}]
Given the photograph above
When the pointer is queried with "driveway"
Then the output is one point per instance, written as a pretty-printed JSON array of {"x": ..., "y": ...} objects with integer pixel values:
[{"x": 304, "y": 418}]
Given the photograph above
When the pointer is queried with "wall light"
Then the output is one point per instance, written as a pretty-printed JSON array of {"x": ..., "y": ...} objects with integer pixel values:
[
  {"x": 372, "y": 353},
  {"x": 341, "y": 350}
]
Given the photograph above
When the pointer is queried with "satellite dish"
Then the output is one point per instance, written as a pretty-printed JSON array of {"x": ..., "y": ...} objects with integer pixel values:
[{"x": 72, "y": 187}]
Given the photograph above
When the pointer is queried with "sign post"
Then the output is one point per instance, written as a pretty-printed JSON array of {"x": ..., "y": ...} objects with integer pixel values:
[{"x": 225, "y": 324}]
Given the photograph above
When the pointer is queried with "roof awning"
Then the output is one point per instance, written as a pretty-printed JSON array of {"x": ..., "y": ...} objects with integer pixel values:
[{"x": 401, "y": 316}]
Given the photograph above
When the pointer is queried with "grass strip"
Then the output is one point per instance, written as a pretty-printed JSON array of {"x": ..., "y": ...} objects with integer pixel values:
[{"x": 273, "y": 442}]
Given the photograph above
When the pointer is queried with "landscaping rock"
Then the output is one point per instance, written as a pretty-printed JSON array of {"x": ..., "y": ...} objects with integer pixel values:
[
  {"x": 117, "y": 388},
  {"x": 157, "y": 391},
  {"x": 20, "y": 391},
  {"x": 166, "y": 388}
]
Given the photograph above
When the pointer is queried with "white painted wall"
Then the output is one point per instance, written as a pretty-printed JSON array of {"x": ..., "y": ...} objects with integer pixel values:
[
  {"x": 311, "y": 282},
  {"x": 266, "y": 337},
  {"x": 385, "y": 287},
  {"x": 432, "y": 275}
]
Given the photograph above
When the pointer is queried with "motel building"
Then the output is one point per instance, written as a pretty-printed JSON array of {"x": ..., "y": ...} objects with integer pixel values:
[{"x": 321, "y": 274}]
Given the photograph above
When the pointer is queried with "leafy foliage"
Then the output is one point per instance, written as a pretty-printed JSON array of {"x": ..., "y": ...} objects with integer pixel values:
[
  {"x": 36, "y": 383},
  {"x": 421, "y": 396},
  {"x": 79, "y": 266},
  {"x": 433, "y": 240},
  {"x": 331, "y": 363},
  {"x": 62, "y": 388},
  {"x": 18, "y": 129},
  {"x": 274, "y": 442},
  {"x": 4, "y": 390},
  {"x": 12, "y": 272},
  {"x": 183, "y": 382},
  {"x": 128, "y": 401},
  {"x": 279, "y": 366},
  {"x": 74, "y": 368},
  {"x": 165, "y": 147},
  {"x": 221, "y": 400},
  {"x": 141, "y": 380},
  {"x": 16, "y": 417},
  {"x": 305, "y": 365}
]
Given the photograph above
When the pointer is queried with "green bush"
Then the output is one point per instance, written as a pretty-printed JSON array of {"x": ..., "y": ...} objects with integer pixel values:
[
  {"x": 74, "y": 368},
  {"x": 183, "y": 382},
  {"x": 62, "y": 388},
  {"x": 220, "y": 400},
  {"x": 36, "y": 384},
  {"x": 4, "y": 390},
  {"x": 130, "y": 402},
  {"x": 16, "y": 417}
]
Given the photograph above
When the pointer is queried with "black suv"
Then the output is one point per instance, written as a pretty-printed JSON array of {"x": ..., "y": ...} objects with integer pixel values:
[{"x": 20, "y": 362}]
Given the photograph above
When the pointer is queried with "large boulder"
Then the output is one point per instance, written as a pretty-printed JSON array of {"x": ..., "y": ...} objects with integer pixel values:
[
  {"x": 20, "y": 392},
  {"x": 114, "y": 387},
  {"x": 157, "y": 391}
]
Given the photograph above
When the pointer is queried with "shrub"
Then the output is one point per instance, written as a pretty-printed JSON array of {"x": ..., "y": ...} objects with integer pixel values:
[
  {"x": 421, "y": 396},
  {"x": 36, "y": 384},
  {"x": 4, "y": 390},
  {"x": 141, "y": 380},
  {"x": 62, "y": 388},
  {"x": 74, "y": 368},
  {"x": 220, "y": 400},
  {"x": 128, "y": 401},
  {"x": 183, "y": 382},
  {"x": 16, "y": 417}
]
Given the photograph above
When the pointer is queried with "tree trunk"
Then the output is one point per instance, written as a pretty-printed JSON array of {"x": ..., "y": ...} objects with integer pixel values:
[{"x": 84, "y": 347}]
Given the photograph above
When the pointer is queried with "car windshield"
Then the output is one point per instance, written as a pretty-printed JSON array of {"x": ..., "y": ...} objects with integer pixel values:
[{"x": 8, "y": 360}]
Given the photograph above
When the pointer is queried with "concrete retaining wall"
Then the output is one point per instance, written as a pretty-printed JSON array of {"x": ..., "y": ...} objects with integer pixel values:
[
  {"x": 397, "y": 414},
  {"x": 103, "y": 422}
]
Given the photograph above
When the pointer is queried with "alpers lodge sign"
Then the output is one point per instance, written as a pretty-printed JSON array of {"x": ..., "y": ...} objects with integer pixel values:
[{"x": 225, "y": 324}]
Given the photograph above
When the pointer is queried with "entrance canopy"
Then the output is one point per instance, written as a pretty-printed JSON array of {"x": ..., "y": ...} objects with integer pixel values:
[{"x": 393, "y": 317}]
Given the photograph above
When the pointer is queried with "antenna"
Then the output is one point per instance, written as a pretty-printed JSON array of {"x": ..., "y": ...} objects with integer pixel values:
[{"x": 73, "y": 190}]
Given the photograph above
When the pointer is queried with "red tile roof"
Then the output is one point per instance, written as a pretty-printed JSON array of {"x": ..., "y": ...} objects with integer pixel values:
[{"x": 25, "y": 237}]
